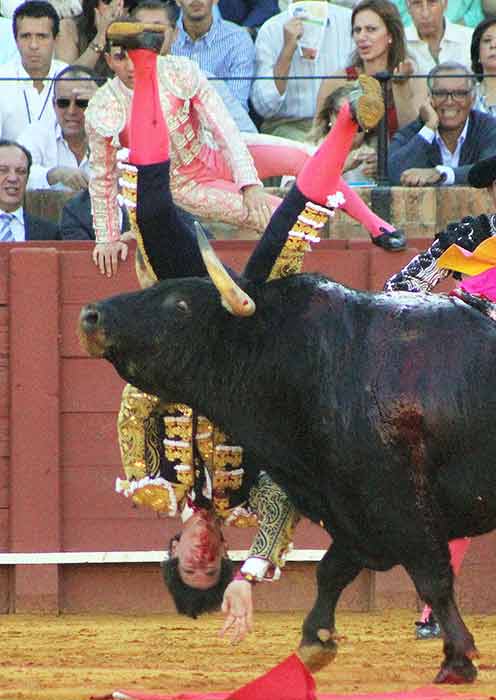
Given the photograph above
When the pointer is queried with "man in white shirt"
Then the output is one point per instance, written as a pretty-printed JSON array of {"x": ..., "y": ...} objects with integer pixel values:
[
  {"x": 16, "y": 225},
  {"x": 433, "y": 39},
  {"x": 449, "y": 136},
  {"x": 60, "y": 151},
  {"x": 288, "y": 106},
  {"x": 27, "y": 95}
]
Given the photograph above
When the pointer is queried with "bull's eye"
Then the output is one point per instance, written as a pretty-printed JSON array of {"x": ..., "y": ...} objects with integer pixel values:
[{"x": 182, "y": 305}]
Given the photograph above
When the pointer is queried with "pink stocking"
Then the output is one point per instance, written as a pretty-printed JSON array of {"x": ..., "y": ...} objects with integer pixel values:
[
  {"x": 355, "y": 207},
  {"x": 320, "y": 176},
  {"x": 148, "y": 135}
]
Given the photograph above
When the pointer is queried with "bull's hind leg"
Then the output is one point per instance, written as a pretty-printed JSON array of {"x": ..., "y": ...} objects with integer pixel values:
[
  {"x": 318, "y": 645},
  {"x": 436, "y": 588}
]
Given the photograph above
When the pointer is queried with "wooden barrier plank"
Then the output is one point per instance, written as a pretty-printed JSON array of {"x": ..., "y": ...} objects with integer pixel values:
[
  {"x": 4, "y": 436},
  {"x": 88, "y": 384},
  {"x": 34, "y": 400},
  {"x": 90, "y": 494},
  {"x": 90, "y": 440},
  {"x": 344, "y": 266},
  {"x": 81, "y": 282},
  {"x": 119, "y": 534},
  {"x": 4, "y": 386},
  {"x": 4, "y": 274}
]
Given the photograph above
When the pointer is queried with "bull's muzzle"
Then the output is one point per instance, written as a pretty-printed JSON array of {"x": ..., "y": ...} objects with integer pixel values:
[{"x": 91, "y": 331}]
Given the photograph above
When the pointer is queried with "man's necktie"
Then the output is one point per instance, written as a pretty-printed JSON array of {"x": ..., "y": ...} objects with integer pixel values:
[{"x": 6, "y": 235}]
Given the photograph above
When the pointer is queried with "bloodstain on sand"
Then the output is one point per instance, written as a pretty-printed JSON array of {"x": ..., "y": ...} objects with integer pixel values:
[{"x": 70, "y": 657}]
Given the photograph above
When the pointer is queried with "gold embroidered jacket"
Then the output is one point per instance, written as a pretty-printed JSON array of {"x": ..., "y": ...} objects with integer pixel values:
[{"x": 201, "y": 132}]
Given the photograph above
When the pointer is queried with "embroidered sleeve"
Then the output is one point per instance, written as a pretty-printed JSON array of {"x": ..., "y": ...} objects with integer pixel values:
[
  {"x": 217, "y": 119},
  {"x": 103, "y": 186},
  {"x": 277, "y": 521},
  {"x": 136, "y": 435},
  {"x": 422, "y": 274}
]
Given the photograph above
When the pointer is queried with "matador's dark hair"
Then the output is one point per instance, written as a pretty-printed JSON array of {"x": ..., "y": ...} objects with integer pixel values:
[{"x": 195, "y": 601}]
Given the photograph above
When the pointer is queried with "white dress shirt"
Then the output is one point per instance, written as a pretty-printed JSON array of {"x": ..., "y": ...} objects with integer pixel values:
[
  {"x": 450, "y": 159},
  {"x": 299, "y": 101},
  {"x": 49, "y": 150},
  {"x": 21, "y": 103},
  {"x": 455, "y": 46},
  {"x": 17, "y": 224}
]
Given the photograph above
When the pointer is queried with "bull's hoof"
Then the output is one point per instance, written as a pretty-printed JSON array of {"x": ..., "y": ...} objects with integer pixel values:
[
  {"x": 315, "y": 655},
  {"x": 457, "y": 675}
]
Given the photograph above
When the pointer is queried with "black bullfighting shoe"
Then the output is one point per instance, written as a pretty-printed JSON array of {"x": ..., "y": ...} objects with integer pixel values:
[
  {"x": 427, "y": 630},
  {"x": 393, "y": 241},
  {"x": 366, "y": 102},
  {"x": 136, "y": 35}
]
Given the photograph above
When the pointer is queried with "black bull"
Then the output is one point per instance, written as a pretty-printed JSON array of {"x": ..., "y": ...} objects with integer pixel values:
[{"x": 375, "y": 412}]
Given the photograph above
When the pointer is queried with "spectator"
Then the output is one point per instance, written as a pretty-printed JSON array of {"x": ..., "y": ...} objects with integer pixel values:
[
  {"x": 8, "y": 47},
  {"x": 483, "y": 52},
  {"x": 83, "y": 40},
  {"x": 218, "y": 46},
  {"x": 60, "y": 151},
  {"x": 467, "y": 12},
  {"x": 36, "y": 25},
  {"x": 380, "y": 46},
  {"x": 433, "y": 39},
  {"x": 360, "y": 166},
  {"x": 250, "y": 14},
  {"x": 76, "y": 223},
  {"x": 286, "y": 105},
  {"x": 15, "y": 223},
  {"x": 439, "y": 147}
]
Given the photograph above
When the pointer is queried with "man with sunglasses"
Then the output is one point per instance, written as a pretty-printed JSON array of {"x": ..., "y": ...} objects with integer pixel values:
[
  {"x": 60, "y": 150},
  {"x": 449, "y": 136}
]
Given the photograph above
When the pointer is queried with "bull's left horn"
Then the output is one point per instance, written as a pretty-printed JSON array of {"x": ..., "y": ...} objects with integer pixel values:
[{"x": 234, "y": 299}]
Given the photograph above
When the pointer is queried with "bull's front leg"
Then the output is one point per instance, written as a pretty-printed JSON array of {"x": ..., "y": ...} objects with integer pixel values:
[
  {"x": 318, "y": 645},
  {"x": 434, "y": 582},
  {"x": 459, "y": 646}
]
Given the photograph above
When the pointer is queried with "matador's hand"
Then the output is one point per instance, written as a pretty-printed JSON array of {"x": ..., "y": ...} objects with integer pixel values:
[
  {"x": 106, "y": 256},
  {"x": 256, "y": 206},
  {"x": 238, "y": 608}
]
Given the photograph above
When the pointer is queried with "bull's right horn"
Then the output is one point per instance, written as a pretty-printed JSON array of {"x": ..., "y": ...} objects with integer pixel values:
[{"x": 234, "y": 299}]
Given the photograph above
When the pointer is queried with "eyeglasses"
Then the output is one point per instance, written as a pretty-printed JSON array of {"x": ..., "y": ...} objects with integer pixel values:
[
  {"x": 456, "y": 95},
  {"x": 64, "y": 102},
  {"x": 119, "y": 55}
]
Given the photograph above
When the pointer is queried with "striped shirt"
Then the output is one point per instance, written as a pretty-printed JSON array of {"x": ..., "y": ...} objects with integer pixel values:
[
  {"x": 300, "y": 98},
  {"x": 225, "y": 50}
]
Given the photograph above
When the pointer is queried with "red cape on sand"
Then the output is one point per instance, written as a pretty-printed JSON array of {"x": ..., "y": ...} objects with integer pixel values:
[{"x": 291, "y": 680}]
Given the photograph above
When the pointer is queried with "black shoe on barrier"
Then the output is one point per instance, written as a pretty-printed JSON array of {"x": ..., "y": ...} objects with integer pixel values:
[{"x": 392, "y": 241}]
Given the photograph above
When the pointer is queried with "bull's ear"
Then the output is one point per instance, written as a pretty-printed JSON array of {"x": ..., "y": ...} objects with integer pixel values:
[{"x": 234, "y": 299}]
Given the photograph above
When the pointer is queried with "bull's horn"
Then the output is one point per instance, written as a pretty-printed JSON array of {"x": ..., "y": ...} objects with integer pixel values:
[{"x": 234, "y": 299}]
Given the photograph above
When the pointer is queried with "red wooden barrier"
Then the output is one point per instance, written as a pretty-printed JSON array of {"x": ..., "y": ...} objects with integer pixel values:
[{"x": 59, "y": 455}]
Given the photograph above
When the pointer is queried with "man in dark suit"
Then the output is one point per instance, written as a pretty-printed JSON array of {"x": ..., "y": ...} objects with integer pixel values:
[
  {"x": 16, "y": 225},
  {"x": 76, "y": 222},
  {"x": 440, "y": 146}
]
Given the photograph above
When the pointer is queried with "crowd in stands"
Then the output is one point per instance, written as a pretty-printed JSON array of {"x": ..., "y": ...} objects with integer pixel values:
[{"x": 277, "y": 76}]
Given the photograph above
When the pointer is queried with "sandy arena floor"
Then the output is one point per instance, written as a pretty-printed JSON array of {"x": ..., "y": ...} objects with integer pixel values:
[{"x": 71, "y": 657}]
